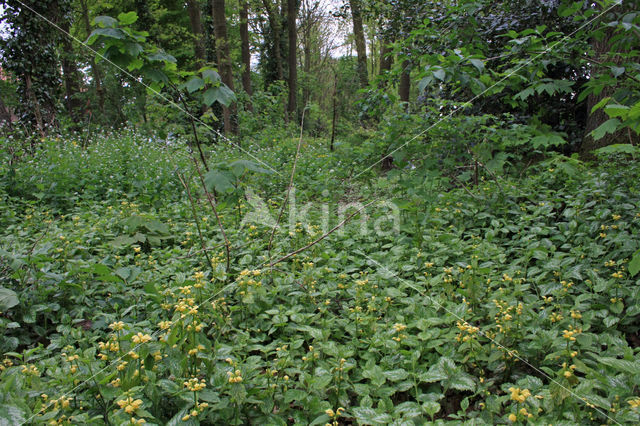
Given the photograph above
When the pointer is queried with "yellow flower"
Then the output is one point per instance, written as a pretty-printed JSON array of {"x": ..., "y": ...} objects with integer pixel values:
[
  {"x": 141, "y": 338},
  {"x": 116, "y": 326},
  {"x": 129, "y": 405},
  {"x": 512, "y": 417}
]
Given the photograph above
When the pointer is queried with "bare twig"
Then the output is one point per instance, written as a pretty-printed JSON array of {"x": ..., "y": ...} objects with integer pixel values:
[
  {"x": 286, "y": 198},
  {"x": 195, "y": 218},
  {"x": 212, "y": 203},
  {"x": 313, "y": 243}
]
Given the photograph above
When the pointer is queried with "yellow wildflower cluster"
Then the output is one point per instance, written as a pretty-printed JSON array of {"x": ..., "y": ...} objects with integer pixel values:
[
  {"x": 195, "y": 385},
  {"x": 568, "y": 334},
  {"x": 141, "y": 338},
  {"x": 30, "y": 370},
  {"x": 6, "y": 363},
  {"x": 467, "y": 331},
  {"x": 576, "y": 314},
  {"x": 194, "y": 351},
  {"x": 634, "y": 403},
  {"x": 234, "y": 376},
  {"x": 618, "y": 274},
  {"x": 567, "y": 371},
  {"x": 519, "y": 395},
  {"x": 311, "y": 354},
  {"x": 334, "y": 415},
  {"x": 556, "y": 317},
  {"x": 130, "y": 405},
  {"x": 194, "y": 413},
  {"x": 506, "y": 314},
  {"x": 399, "y": 328},
  {"x": 111, "y": 346},
  {"x": 117, "y": 326},
  {"x": 610, "y": 263}
]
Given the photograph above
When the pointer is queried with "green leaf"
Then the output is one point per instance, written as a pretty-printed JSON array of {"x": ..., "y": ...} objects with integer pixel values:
[
  {"x": 294, "y": 395},
  {"x": 600, "y": 104},
  {"x": 617, "y": 71},
  {"x": 622, "y": 365},
  {"x": 396, "y": 375},
  {"x": 221, "y": 94},
  {"x": 634, "y": 265},
  {"x": 105, "y": 21},
  {"x": 439, "y": 74},
  {"x": 116, "y": 33},
  {"x": 210, "y": 75},
  {"x": 217, "y": 180},
  {"x": 8, "y": 299},
  {"x": 619, "y": 148},
  {"x": 479, "y": 64},
  {"x": 127, "y": 18},
  {"x": 609, "y": 126},
  {"x": 369, "y": 416},
  {"x": 194, "y": 84},
  {"x": 11, "y": 415}
]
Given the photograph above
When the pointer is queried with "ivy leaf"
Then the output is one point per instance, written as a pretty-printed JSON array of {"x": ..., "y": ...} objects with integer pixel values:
[
  {"x": 609, "y": 126},
  {"x": 8, "y": 299}
]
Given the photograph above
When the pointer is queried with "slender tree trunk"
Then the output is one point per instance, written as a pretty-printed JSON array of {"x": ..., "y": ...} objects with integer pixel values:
[
  {"x": 5, "y": 114},
  {"x": 193, "y": 7},
  {"x": 70, "y": 75},
  {"x": 274, "y": 23},
  {"x": 292, "y": 29},
  {"x": 36, "y": 105},
  {"x": 405, "y": 81},
  {"x": 95, "y": 70},
  {"x": 245, "y": 51},
  {"x": 361, "y": 46},
  {"x": 335, "y": 108},
  {"x": 224, "y": 59},
  {"x": 386, "y": 60},
  {"x": 306, "y": 92}
]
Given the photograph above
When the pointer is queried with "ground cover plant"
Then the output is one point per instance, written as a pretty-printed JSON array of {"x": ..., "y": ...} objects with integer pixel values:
[
  {"x": 511, "y": 303},
  {"x": 319, "y": 212}
]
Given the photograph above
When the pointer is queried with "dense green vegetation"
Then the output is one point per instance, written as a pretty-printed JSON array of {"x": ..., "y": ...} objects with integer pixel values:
[{"x": 306, "y": 212}]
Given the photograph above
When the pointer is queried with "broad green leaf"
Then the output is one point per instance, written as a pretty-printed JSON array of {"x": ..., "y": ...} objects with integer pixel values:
[
  {"x": 116, "y": 33},
  {"x": 369, "y": 416},
  {"x": 194, "y": 84},
  {"x": 219, "y": 181},
  {"x": 221, "y": 94},
  {"x": 622, "y": 365},
  {"x": 210, "y": 75},
  {"x": 609, "y": 126},
  {"x": 634, "y": 265},
  {"x": 11, "y": 415},
  {"x": 8, "y": 299},
  {"x": 105, "y": 21},
  {"x": 478, "y": 63},
  {"x": 127, "y": 18}
]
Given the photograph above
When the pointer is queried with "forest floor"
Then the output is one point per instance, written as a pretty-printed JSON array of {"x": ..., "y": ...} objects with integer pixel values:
[{"x": 513, "y": 300}]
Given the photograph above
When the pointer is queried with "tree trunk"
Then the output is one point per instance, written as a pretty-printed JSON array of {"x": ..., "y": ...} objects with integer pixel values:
[
  {"x": 193, "y": 7},
  {"x": 36, "y": 105},
  {"x": 5, "y": 114},
  {"x": 292, "y": 29},
  {"x": 361, "y": 46},
  {"x": 405, "y": 81},
  {"x": 95, "y": 70},
  {"x": 224, "y": 59},
  {"x": 245, "y": 50},
  {"x": 386, "y": 60},
  {"x": 70, "y": 75},
  {"x": 274, "y": 23}
]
